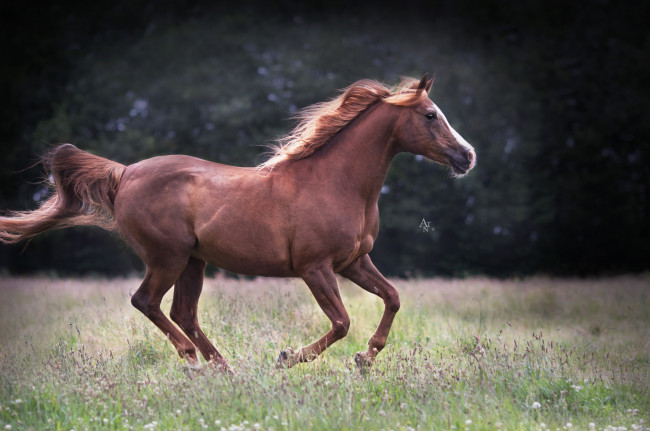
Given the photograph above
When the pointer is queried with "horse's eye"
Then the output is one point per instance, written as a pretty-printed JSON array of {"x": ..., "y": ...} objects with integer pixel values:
[{"x": 431, "y": 115}]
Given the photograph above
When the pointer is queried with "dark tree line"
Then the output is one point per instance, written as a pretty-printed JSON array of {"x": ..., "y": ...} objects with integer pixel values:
[{"x": 554, "y": 96}]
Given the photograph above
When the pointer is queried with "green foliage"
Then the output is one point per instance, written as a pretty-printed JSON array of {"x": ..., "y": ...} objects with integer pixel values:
[{"x": 558, "y": 115}]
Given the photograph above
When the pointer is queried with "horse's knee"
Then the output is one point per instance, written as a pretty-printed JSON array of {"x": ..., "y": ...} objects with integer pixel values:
[
  {"x": 392, "y": 302},
  {"x": 340, "y": 327}
]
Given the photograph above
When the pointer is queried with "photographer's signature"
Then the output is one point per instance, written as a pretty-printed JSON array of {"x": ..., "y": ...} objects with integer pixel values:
[{"x": 426, "y": 226}]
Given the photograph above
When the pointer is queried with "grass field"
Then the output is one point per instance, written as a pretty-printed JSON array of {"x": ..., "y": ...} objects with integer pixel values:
[{"x": 472, "y": 354}]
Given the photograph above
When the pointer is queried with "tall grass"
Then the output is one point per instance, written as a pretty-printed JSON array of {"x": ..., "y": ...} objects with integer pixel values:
[{"x": 471, "y": 354}]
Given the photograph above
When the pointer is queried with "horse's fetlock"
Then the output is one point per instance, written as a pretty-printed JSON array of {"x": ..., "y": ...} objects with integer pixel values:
[
  {"x": 187, "y": 352},
  {"x": 377, "y": 344},
  {"x": 307, "y": 357}
]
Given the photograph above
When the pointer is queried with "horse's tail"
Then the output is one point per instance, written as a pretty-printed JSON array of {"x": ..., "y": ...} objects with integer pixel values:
[{"x": 84, "y": 193}]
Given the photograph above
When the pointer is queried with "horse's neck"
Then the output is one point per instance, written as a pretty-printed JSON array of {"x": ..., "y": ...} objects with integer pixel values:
[{"x": 360, "y": 155}]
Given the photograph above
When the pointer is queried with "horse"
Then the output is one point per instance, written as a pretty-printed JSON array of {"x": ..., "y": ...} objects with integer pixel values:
[{"x": 310, "y": 211}]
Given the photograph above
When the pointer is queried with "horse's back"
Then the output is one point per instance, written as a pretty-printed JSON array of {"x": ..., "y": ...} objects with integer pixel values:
[{"x": 178, "y": 166}]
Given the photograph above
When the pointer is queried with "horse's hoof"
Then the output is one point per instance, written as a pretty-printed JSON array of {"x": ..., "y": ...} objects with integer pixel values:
[
  {"x": 221, "y": 365},
  {"x": 363, "y": 362},
  {"x": 283, "y": 357}
]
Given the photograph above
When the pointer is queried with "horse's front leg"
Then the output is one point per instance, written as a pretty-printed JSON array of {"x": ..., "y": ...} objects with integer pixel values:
[
  {"x": 322, "y": 284},
  {"x": 363, "y": 272}
]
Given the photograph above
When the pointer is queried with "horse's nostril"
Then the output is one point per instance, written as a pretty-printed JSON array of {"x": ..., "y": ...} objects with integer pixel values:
[{"x": 471, "y": 156}]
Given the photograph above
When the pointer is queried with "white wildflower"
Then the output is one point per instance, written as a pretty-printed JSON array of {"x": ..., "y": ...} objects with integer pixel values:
[
  {"x": 536, "y": 405},
  {"x": 8, "y": 427},
  {"x": 468, "y": 422},
  {"x": 18, "y": 401},
  {"x": 569, "y": 425},
  {"x": 592, "y": 425},
  {"x": 498, "y": 425}
]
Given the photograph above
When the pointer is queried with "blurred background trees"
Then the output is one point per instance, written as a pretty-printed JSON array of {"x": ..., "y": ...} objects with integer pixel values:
[{"x": 554, "y": 97}]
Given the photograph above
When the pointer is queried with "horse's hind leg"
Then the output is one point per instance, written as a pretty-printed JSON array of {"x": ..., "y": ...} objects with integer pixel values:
[
  {"x": 184, "y": 310},
  {"x": 147, "y": 299},
  {"x": 323, "y": 286},
  {"x": 363, "y": 273}
]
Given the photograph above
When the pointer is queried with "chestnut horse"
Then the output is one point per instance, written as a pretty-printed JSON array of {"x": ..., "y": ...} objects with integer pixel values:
[{"x": 310, "y": 211}]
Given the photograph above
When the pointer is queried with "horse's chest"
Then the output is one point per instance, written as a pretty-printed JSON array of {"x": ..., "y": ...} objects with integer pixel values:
[{"x": 338, "y": 236}]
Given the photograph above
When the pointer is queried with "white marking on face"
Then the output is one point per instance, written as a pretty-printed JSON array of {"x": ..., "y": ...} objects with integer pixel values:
[{"x": 457, "y": 136}]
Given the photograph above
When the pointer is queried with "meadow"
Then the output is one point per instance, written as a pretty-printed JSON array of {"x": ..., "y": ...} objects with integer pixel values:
[{"x": 470, "y": 354}]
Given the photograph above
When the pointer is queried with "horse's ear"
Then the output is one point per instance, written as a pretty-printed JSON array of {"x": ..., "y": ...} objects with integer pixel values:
[
  {"x": 429, "y": 84},
  {"x": 423, "y": 82}
]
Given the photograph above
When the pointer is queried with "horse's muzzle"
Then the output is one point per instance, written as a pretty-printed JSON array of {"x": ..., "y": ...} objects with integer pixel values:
[{"x": 462, "y": 161}]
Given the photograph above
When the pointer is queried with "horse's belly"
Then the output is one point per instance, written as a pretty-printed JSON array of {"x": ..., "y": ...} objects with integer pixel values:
[{"x": 242, "y": 252}]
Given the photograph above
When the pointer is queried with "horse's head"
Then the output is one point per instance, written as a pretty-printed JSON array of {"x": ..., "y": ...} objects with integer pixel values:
[{"x": 423, "y": 129}]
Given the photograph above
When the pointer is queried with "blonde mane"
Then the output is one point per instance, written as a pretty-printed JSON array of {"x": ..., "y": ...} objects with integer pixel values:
[{"x": 318, "y": 123}]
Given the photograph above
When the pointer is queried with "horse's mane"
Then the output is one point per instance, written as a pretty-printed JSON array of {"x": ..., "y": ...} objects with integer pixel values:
[{"x": 318, "y": 123}]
